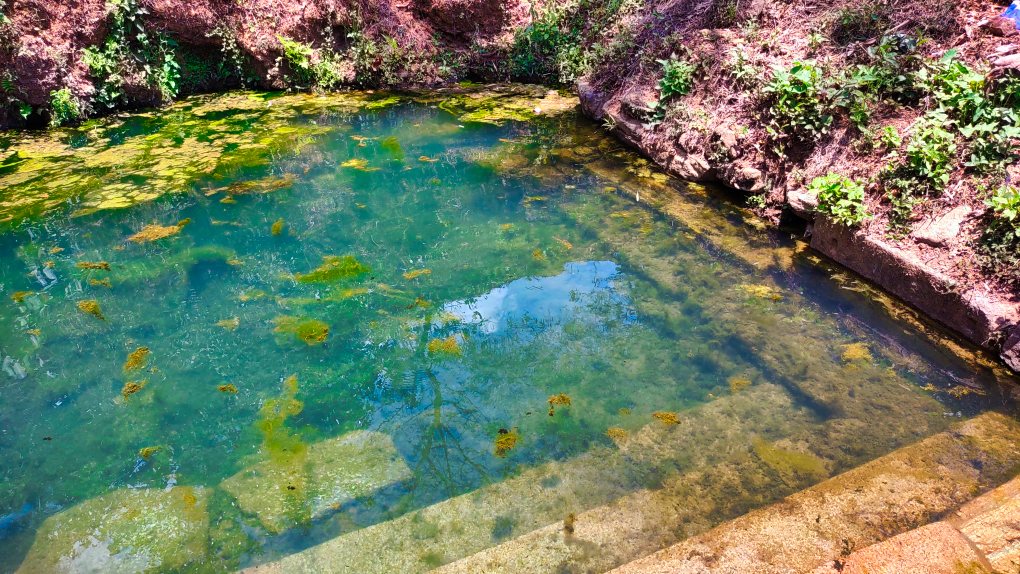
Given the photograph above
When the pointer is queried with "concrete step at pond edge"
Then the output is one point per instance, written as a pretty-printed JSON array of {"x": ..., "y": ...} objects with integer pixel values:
[{"x": 814, "y": 530}]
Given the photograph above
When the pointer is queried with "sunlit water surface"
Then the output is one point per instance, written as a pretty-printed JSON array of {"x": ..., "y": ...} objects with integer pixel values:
[{"x": 449, "y": 285}]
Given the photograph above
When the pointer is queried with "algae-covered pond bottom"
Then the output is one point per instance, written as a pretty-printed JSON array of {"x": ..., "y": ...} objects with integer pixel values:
[{"x": 253, "y": 324}]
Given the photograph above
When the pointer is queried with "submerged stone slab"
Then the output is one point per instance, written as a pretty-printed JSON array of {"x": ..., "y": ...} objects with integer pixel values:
[
  {"x": 286, "y": 491},
  {"x": 813, "y": 529},
  {"x": 705, "y": 438},
  {"x": 127, "y": 530}
]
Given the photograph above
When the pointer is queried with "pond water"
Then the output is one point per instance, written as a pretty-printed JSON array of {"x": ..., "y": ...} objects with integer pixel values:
[{"x": 250, "y": 324}]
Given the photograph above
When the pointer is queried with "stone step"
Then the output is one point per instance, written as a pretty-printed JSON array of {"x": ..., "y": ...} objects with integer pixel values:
[
  {"x": 983, "y": 536},
  {"x": 421, "y": 540},
  {"x": 818, "y": 528}
]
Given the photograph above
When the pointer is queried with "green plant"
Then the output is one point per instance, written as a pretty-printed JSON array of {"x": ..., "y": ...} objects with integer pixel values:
[
  {"x": 128, "y": 49},
  {"x": 1000, "y": 242},
  {"x": 677, "y": 77},
  {"x": 299, "y": 60},
  {"x": 890, "y": 138},
  {"x": 740, "y": 68},
  {"x": 840, "y": 197},
  {"x": 64, "y": 107},
  {"x": 930, "y": 152},
  {"x": 798, "y": 107}
]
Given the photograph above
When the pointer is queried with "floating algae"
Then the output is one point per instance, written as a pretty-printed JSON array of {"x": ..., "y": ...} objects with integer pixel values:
[
  {"x": 227, "y": 388},
  {"x": 132, "y": 387},
  {"x": 104, "y": 282},
  {"x": 254, "y": 187},
  {"x": 566, "y": 244},
  {"x": 333, "y": 268},
  {"x": 19, "y": 296},
  {"x": 277, "y": 227},
  {"x": 416, "y": 273},
  {"x": 560, "y": 400},
  {"x": 311, "y": 331},
  {"x": 856, "y": 352},
  {"x": 667, "y": 417},
  {"x": 538, "y": 255},
  {"x": 762, "y": 292},
  {"x": 93, "y": 265},
  {"x": 154, "y": 232},
  {"x": 147, "y": 452},
  {"x": 506, "y": 440},
  {"x": 427, "y": 159},
  {"x": 136, "y": 359},
  {"x": 230, "y": 324},
  {"x": 616, "y": 433},
  {"x": 738, "y": 383},
  {"x": 446, "y": 346},
  {"x": 91, "y": 307},
  {"x": 359, "y": 164}
]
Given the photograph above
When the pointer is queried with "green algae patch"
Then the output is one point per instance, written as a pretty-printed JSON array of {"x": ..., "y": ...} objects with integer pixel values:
[
  {"x": 359, "y": 164},
  {"x": 310, "y": 331},
  {"x": 20, "y": 296},
  {"x": 277, "y": 228},
  {"x": 136, "y": 359},
  {"x": 284, "y": 493},
  {"x": 497, "y": 105},
  {"x": 334, "y": 268},
  {"x": 793, "y": 467},
  {"x": 127, "y": 530},
  {"x": 558, "y": 400},
  {"x": 392, "y": 146},
  {"x": 91, "y": 307},
  {"x": 228, "y": 388}
]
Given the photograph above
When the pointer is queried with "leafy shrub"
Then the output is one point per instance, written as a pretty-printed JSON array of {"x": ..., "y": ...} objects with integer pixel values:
[
  {"x": 127, "y": 49},
  {"x": 677, "y": 77},
  {"x": 840, "y": 197},
  {"x": 299, "y": 60},
  {"x": 536, "y": 47},
  {"x": 930, "y": 152},
  {"x": 798, "y": 106},
  {"x": 64, "y": 107}
]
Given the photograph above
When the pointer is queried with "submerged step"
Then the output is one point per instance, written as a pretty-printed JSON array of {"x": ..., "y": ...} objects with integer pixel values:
[
  {"x": 286, "y": 491},
  {"x": 466, "y": 524},
  {"x": 127, "y": 530},
  {"x": 812, "y": 529}
]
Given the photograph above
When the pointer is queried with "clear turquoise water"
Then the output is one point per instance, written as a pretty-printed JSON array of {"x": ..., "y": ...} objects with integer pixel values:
[{"x": 542, "y": 265}]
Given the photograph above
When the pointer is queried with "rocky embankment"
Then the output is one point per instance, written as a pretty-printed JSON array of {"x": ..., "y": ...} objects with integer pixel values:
[{"x": 890, "y": 127}]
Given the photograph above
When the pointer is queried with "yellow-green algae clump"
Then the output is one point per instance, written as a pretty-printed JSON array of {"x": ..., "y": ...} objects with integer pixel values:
[
  {"x": 738, "y": 383},
  {"x": 505, "y": 441},
  {"x": 127, "y": 530},
  {"x": 445, "y": 346},
  {"x": 91, "y": 307},
  {"x": 333, "y": 268},
  {"x": 136, "y": 359},
  {"x": 856, "y": 352},
  {"x": 667, "y": 417},
  {"x": 310, "y": 331},
  {"x": 416, "y": 273},
  {"x": 132, "y": 387},
  {"x": 791, "y": 466},
  {"x": 558, "y": 400},
  {"x": 93, "y": 265},
  {"x": 156, "y": 232}
]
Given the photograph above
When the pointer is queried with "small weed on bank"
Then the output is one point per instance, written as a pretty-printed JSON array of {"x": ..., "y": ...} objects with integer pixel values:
[
  {"x": 64, "y": 108},
  {"x": 841, "y": 198},
  {"x": 798, "y": 107},
  {"x": 1000, "y": 243}
]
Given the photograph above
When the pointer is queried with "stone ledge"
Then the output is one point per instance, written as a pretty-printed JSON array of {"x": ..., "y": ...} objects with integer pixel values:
[{"x": 979, "y": 317}]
